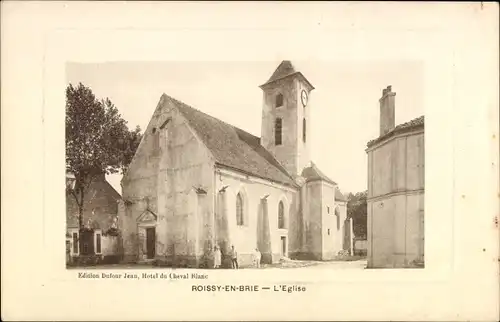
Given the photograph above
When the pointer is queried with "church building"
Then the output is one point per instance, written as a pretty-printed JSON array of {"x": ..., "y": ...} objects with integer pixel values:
[
  {"x": 197, "y": 182},
  {"x": 396, "y": 186}
]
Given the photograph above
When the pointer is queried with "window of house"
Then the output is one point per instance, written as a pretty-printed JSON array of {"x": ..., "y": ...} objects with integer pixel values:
[
  {"x": 328, "y": 231},
  {"x": 279, "y": 100},
  {"x": 337, "y": 214},
  {"x": 327, "y": 209},
  {"x": 281, "y": 215},
  {"x": 239, "y": 210},
  {"x": 277, "y": 131},
  {"x": 98, "y": 243},
  {"x": 75, "y": 243},
  {"x": 304, "y": 130}
]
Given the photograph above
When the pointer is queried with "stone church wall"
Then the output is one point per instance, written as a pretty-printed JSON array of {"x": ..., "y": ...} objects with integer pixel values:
[
  {"x": 324, "y": 240},
  {"x": 333, "y": 228},
  {"x": 187, "y": 196},
  {"x": 286, "y": 153},
  {"x": 171, "y": 175},
  {"x": 260, "y": 229},
  {"x": 313, "y": 218}
]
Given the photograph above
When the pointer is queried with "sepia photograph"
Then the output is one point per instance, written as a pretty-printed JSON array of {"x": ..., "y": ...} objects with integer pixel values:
[
  {"x": 169, "y": 184},
  {"x": 250, "y": 161}
]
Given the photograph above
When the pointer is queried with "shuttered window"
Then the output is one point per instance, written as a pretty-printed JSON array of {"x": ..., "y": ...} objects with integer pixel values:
[
  {"x": 279, "y": 100},
  {"x": 75, "y": 243},
  {"x": 278, "y": 131}
]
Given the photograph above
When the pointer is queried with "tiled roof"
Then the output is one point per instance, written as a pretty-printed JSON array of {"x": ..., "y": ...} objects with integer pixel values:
[
  {"x": 232, "y": 147},
  {"x": 339, "y": 196},
  {"x": 100, "y": 206},
  {"x": 313, "y": 173},
  {"x": 285, "y": 69},
  {"x": 408, "y": 126}
]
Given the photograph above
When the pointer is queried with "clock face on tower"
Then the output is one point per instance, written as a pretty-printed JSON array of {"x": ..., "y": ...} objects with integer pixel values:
[{"x": 303, "y": 97}]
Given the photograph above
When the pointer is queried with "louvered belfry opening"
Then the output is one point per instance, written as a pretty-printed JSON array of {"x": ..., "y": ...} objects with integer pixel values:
[{"x": 278, "y": 131}]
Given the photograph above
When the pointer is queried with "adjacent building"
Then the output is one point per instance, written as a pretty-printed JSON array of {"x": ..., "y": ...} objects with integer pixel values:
[
  {"x": 98, "y": 239},
  {"x": 396, "y": 185},
  {"x": 197, "y": 182}
]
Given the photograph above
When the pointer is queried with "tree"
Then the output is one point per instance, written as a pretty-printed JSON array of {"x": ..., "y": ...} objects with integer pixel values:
[
  {"x": 130, "y": 146},
  {"x": 356, "y": 209},
  {"x": 98, "y": 141}
]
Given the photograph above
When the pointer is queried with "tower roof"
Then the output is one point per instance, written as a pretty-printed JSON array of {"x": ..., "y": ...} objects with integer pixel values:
[
  {"x": 313, "y": 173},
  {"x": 285, "y": 69}
]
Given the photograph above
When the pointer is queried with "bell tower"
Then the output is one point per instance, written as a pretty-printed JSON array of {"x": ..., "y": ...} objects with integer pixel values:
[{"x": 285, "y": 117}]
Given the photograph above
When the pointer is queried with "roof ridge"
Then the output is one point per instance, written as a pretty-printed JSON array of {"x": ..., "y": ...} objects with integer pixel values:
[
  {"x": 413, "y": 123},
  {"x": 320, "y": 174},
  {"x": 113, "y": 189},
  {"x": 210, "y": 116},
  {"x": 339, "y": 195},
  {"x": 285, "y": 68},
  {"x": 252, "y": 141}
]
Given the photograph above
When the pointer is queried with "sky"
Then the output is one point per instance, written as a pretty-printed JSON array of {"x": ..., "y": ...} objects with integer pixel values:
[{"x": 344, "y": 104}]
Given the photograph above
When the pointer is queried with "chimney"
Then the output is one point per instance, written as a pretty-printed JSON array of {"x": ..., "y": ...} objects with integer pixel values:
[{"x": 387, "y": 112}]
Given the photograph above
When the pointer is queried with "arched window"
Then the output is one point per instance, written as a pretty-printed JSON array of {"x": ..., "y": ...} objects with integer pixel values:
[
  {"x": 304, "y": 130},
  {"x": 239, "y": 210},
  {"x": 337, "y": 214},
  {"x": 281, "y": 215},
  {"x": 279, "y": 100},
  {"x": 277, "y": 131},
  {"x": 156, "y": 141}
]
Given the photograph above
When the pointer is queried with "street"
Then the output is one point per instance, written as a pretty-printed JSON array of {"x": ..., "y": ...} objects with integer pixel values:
[
  {"x": 289, "y": 264},
  {"x": 358, "y": 264}
]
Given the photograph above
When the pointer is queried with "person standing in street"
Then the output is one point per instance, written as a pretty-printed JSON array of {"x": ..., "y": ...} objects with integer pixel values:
[
  {"x": 234, "y": 258},
  {"x": 217, "y": 257},
  {"x": 258, "y": 257}
]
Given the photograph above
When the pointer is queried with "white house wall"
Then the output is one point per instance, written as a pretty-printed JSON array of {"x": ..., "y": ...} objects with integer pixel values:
[{"x": 396, "y": 172}]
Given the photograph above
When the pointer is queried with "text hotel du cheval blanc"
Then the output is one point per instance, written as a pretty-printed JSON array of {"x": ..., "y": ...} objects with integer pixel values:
[{"x": 197, "y": 287}]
